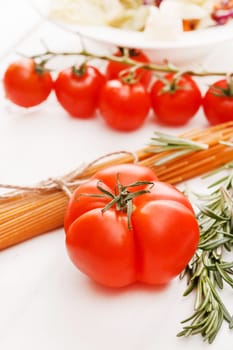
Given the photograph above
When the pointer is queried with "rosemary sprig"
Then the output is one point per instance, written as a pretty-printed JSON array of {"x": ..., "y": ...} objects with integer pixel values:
[
  {"x": 208, "y": 271},
  {"x": 179, "y": 146}
]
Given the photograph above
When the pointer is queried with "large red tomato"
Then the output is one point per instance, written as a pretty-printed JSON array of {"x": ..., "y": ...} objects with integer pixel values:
[
  {"x": 175, "y": 100},
  {"x": 218, "y": 102},
  {"x": 123, "y": 225},
  {"x": 113, "y": 69},
  {"x": 77, "y": 90},
  {"x": 26, "y": 84}
]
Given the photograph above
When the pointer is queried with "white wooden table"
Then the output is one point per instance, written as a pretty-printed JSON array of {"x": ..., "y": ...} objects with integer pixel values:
[{"x": 45, "y": 303}]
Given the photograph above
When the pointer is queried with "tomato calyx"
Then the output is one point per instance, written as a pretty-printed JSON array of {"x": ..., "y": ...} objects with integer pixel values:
[
  {"x": 129, "y": 52},
  {"x": 40, "y": 67},
  {"x": 171, "y": 85},
  {"x": 79, "y": 71},
  {"x": 122, "y": 198},
  {"x": 224, "y": 91},
  {"x": 130, "y": 75}
]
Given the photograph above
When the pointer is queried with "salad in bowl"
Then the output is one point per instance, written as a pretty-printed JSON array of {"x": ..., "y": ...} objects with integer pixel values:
[{"x": 158, "y": 19}]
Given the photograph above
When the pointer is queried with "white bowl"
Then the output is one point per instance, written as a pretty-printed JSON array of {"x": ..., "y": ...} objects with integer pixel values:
[{"x": 191, "y": 47}]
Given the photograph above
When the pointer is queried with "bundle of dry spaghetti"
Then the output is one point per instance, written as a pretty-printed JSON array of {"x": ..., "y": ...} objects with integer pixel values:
[{"x": 26, "y": 212}]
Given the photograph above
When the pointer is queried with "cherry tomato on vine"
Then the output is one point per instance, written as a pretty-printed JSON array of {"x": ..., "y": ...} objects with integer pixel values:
[
  {"x": 113, "y": 69},
  {"x": 27, "y": 84},
  {"x": 218, "y": 102},
  {"x": 124, "y": 225},
  {"x": 124, "y": 106},
  {"x": 77, "y": 90},
  {"x": 175, "y": 99}
]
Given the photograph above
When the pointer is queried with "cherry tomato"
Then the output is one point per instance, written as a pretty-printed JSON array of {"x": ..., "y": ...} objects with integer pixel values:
[
  {"x": 113, "y": 69},
  {"x": 77, "y": 90},
  {"x": 218, "y": 102},
  {"x": 27, "y": 84},
  {"x": 175, "y": 100},
  {"x": 124, "y": 225},
  {"x": 124, "y": 106}
]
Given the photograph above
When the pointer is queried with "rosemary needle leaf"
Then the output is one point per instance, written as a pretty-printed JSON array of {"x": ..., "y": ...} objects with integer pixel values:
[
  {"x": 224, "y": 275},
  {"x": 213, "y": 334},
  {"x": 226, "y": 143},
  {"x": 193, "y": 316},
  {"x": 212, "y": 214},
  {"x": 227, "y": 265},
  {"x": 212, "y": 323},
  {"x": 177, "y": 146},
  {"x": 218, "y": 279},
  {"x": 226, "y": 166},
  {"x": 231, "y": 323},
  {"x": 204, "y": 303},
  {"x": 171, "y": 156},
  {"x": 182, "y": 333},
  {"x": 162, "y": 138},
  {"x": 190, "y": 288},
  {"x": 214, "y": 243},
  {"x": 228, "y": 246},
  {"x": 218, "y": 182}
]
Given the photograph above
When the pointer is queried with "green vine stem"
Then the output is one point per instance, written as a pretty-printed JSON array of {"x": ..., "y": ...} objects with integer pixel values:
[{"x": 162, "y": 68}]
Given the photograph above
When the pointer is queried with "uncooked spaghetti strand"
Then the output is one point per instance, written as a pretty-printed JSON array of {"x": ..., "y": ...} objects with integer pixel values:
[{"x": 212, "y": 164}]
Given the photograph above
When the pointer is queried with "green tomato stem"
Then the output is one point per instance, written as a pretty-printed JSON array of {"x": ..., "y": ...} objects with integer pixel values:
[{"x": 162, "y": 68}]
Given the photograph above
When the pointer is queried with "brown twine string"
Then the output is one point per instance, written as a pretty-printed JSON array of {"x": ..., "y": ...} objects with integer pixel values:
[{"x": 64, "y": 183}]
